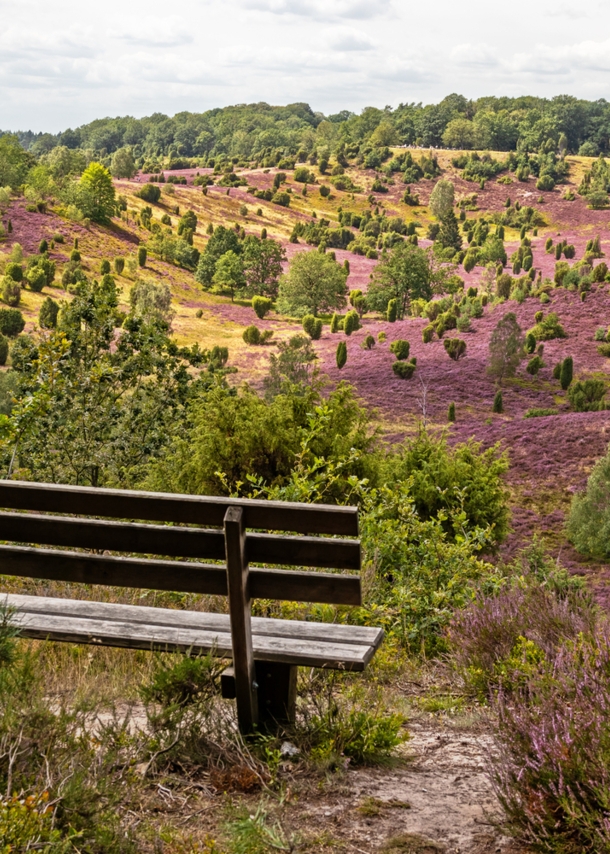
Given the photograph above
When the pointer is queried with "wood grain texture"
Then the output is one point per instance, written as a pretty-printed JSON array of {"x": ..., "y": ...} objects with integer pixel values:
[
  {"x": 175, "y": 575},
  {"x": 176, "y": 542},
  {"x": 186, "y": 509},
  {"x": 199, "y": 620},
  {"x": 246, "y": 695}
]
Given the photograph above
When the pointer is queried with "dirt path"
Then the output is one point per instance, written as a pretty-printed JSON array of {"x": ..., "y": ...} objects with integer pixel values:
[{"x": 440, "y": 801}]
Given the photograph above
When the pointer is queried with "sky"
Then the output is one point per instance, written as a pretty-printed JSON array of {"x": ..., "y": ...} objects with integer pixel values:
[{"x": 65, "y": 63}]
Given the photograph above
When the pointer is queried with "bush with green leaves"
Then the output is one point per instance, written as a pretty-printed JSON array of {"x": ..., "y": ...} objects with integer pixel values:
[
  {"x": 12, "y": 322},
  {"x": 588, "y": 395},
  {"x": 14, "y": 271},
  {"x": 47, "y": 316},
  {"x": 142, "y": 256},
  {"x": 401, "y": 349},
  {"x": 369, "y": 342},
  {"x": 566, "y": 372},
  {"x": 404, "y": 370},
  {"x": 588, "y": 525},
  {"x": 451, "y": 413},
  {"x": 10, "y": 291},
  {"x": 150, "y": 193},
  {"x": 119, "y": 266},
  {"x": 4, "y": 348},
  {"x": 262, "y": 306},
  {"x": 312, "y": 326},
  {"x": 36, "y": 279},
  {"x": 351, "y": 322},
  {"x": 341, "y": 354},
  {"x": 392, "y": 311},
  {"x": 534, "y": 365},
  {"x": 104, "y": 267},
  {"x": 253, "y": 335},
  {"x": 498, "y": 404},
  {"x": 455, "y": 348}
]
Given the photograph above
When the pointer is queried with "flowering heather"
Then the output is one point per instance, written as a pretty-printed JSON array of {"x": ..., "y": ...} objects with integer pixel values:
[{"x": 551, "y": 772}]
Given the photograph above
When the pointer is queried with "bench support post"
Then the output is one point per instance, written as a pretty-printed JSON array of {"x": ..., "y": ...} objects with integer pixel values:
[{"x": 241, "y": 625}]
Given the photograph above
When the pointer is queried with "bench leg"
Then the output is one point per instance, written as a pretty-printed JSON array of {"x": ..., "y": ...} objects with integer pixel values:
[
  {"x": 277, "y": 692},
  {"x": 241, "y": 622}
]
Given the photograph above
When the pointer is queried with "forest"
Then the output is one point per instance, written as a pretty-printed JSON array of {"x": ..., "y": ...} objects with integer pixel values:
[{"x": 407, "y": 311}]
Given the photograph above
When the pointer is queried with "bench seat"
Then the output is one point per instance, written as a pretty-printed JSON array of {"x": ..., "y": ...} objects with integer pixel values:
[{"x": 297, "y": 642}]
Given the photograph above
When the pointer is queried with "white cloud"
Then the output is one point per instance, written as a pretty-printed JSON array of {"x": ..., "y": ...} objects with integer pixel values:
[
  {"x": 343, "y": 39},
  {"x": 479, "y": 55},
  {"x": 156, "y": 32},
  {"x": 323, "y": 10}
]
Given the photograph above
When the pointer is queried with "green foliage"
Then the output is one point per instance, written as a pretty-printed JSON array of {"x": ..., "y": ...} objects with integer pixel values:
[
  {"x": 566, "y": 373},
  {"x": 451, "y": 413},
  {"x": 11, "y": 291},
  {"x": 12, "y": 322},
  {"x": 351, "y": 322},
  {"x": 104, "y": 266},
  {"x": 262, "y": 306},
  {"x": 262, "y": 264},
  {"x": 4, "y": 347},
  {"x": 36, "y": 279},
  {"x": 534, "y": 365},
  {"x": 404, "y": 370},
  {"x": 369, "y": 342},
  {"x": 99, "y": 199},
  {"x": 498, "y": 404},
  {"x": 229, "y": 273},
  {"x": 142, "y": 256},
  {"x": 392, "y": 311},
  {"x": 122, "y": 164},
  {"x": 505, "y": 348},
  {"x": 441, "y": 198},
  {"x": 530, "y": 342},
  {"x": 119, "y": 266},
  {"x": 341, "y": 354},
  {"x": 314, "y": 284},
  {"x": 587, "y": 395},
  {"x": 312, "y": 326},
  {"x": 181, "y": 682},
  {"x": 47, "y": 316},
  {"x": 14, "y": 271},
  {"x": 455, "y": 348},
  {"x": 401, "y": 349},
  {"x": 14, "y": 162},
  {"x": 548, "y": 328},
  {"x": 253, "y": 335},
  {"x": 150, "y": 193},
  {"x": 588, "y": 525},
  {"x": 404, "y": 273}
]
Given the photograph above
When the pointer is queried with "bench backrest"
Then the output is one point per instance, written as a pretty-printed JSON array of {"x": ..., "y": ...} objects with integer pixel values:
[
  {"x": 173, "y": 541},
  {"x": 233, "y": 544}
]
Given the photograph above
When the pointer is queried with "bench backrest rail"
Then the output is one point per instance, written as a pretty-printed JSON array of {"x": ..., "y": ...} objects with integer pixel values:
[{"x": 221, "y": 535}]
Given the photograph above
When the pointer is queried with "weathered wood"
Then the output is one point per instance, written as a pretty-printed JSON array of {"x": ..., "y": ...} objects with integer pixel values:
[
  {"x": 289, "y": 650},
  {"x": 186, "y": 509},
  {"x": 176, "y": 542},
  {"x": 198, "y": 620},
  {"x": 175, "y": 575},
  {"x": 240, "y": 613}
]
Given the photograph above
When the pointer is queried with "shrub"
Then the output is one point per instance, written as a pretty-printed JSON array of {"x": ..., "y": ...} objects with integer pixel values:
[
  {"x": 569, "y": 251},
  {"x": 548, "y": 244},
  {"x": 36, "y": 279},
  {"x": 11, "y": 291},
  {"x": 351, "y": 322},
  {"x": 392, "y": 311},
  {"x": 540, "y": 412},
  {"x": 404, "y": 370},
  {"x": 47, "y": 316},
  {"x": 604, "y": 350},
  {"x": 534, "y": 365},
  {"x": 334, "y": 322},
  {"x": 530, "y": 342},
  {"x": 119, "y": 266},
  {"x": 549, "y": 328},
  {"x": 142, "y": 256},
  {"x": 253, "y": 335},
  {"x": 588, "y": 525},
  {"x": 455, "y": 348},
  {"x": 312, "y": 326},
  {"x": 75, "y": 256},
  {"x": 498, "y": 404},
  {"x": 545, "y": 182},
  {"x": 400, "y": 349},
  {"x": 504, "y": 285},
  {"x": 369, "y": 342},
  {"x": 12, "y": 322},
  {"x": 587, "y": 395},
  {"x": 324, "y": 191},
  {"x": 104, "y": 267},
  {"x": 381, "y": 337},
  {"x": 43, "y": 247},
  {"x": 566, "y": 373},
  {"x": 149, "y": 193},
  {"x": 544, "y": 298},
  {"x": 341, "y": 355},
  {"x": 14, "y": 271},
  {"x": 3, "y": 349},
  {"x": 262, "y": 306},
  {"x": 427, "y": 333},
  {"x": 451, "y": 413}
]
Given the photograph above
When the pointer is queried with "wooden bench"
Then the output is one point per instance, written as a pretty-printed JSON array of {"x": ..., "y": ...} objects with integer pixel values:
[{"x": 265, "y": 652}]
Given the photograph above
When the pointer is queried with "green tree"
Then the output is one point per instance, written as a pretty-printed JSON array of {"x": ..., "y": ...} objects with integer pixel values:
[
  {"x": 404, "y": 273},
  {"x": 221, "y": 241},
  {"x": 588, "y": 524},
  {"x": 567, "y": 372},
  {"x": 441, "y": 198},
  {"x": 99, "y": 197},
  {"x": 506, "y": 348},
  {"x": 314, "y": 283},
  {"x": 449, "y": 236},
  {"x": 262, "y": 262},
  {"x": 14, "y": 162},
  {"x": 122, "y": 164},
  {"x": 47, "y": 316},
  {"x": 229, "y": 273}
]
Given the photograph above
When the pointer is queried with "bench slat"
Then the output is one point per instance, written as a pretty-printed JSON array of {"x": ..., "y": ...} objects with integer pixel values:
[
  {"x": 296, "y": 651},
  {"x": 175, "y": 575},
  {"x": 176, "y": 542},
  {"x": 187, "y": 509},
  {"x": 200, "y": 620}
]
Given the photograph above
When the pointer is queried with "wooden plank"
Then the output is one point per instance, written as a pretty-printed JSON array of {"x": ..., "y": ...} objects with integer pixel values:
[
  {"x": 164, "y": 638},
  {"x": 200, "y": 620},
  {"x": 187, "y": 509},
  {"x": 176, "y": 542},
  {"x": 175, "y": 575},
  {"x": 246, "y": 695}
]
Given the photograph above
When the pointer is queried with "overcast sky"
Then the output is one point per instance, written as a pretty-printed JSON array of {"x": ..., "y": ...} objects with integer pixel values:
[{"x": 64, "y": 63}]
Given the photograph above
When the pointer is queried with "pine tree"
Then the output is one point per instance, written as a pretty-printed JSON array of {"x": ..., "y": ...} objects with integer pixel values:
[
  {"x": 451, "y": 413},
  {"x": 341, "y": 354},
  {"x": 567, "y": 372},
  {"x": 449, "y": 233},
  {"x": 498, "y": 403}
]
